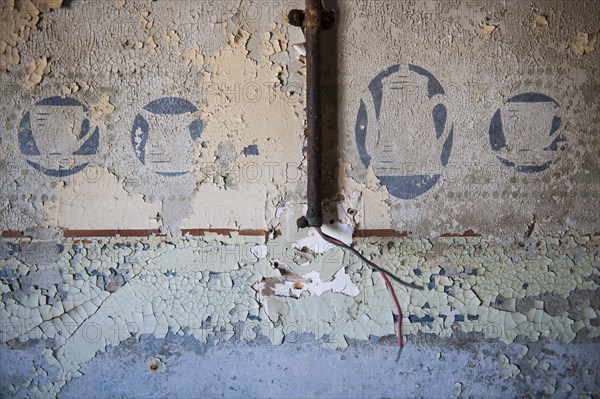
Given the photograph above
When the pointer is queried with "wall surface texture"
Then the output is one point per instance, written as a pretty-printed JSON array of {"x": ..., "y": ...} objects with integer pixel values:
[{"x": 153, "y": 168}]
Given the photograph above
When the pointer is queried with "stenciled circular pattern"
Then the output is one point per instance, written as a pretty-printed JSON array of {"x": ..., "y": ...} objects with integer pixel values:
[
  {"x": 525, "y": 132},
  {"x": 163, "y": 135},
  {"x": 403, "y": 130},
  {"x": 56, "y": 137}
]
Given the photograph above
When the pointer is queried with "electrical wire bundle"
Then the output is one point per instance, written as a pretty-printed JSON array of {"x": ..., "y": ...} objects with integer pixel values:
[{"x": 386, "y": 275}]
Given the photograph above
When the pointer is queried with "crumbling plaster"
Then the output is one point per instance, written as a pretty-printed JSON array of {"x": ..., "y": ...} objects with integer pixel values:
[{"x": 172, "y": 116}]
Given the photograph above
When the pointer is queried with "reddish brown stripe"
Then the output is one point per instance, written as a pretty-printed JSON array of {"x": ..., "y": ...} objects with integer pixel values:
[
  {"x": 248, "y": 232},
  {"x": 467, "y": 233},
  {"x": 12, "y": 234}
]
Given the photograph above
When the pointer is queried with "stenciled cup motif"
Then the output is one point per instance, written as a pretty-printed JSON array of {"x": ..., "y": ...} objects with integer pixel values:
[
  {"x": 525, "y": 132},
  {"x": 164, "y": 134},
  {"x": 57, "y": 138}
]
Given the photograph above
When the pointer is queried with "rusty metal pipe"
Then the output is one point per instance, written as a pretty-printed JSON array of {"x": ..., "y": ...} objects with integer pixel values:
[
  {"x": 312, "y": 20},
  {"x": 312, "y": 27}
]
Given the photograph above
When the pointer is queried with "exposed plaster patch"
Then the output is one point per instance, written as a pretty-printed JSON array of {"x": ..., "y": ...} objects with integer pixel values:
[
  {"x": 17, "y": 21},
  {"x": 100, "y": 110},
  {"x": 341, "y": 283},
  {"x": 71, "y": 89},
  {"x": 46, "y": 5},
  {"x": 150, "y": 44},
  {"x": 538, "y": 20},
  {"x": 316, "y": 244},
  {"x": 146, "y": 21},
  {"x": 171, "y": 37},
  {"x": 486, "y": 29},
  {"x": 72, "y": 208},
  {"x": 289, "y": 284},
  {"x": 36, "y": 70},
  {"x": 193, "y": 57},
  {"x": 584, "y": 43}
]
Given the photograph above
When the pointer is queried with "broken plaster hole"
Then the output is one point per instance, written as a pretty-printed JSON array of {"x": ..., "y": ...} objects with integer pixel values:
[{"x": 156, "y": 365}]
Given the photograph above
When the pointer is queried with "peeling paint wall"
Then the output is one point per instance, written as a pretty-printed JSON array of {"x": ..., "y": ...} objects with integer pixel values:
[
  {"x": 154, "y": 166},
  {"x": 77, "y": 299}
]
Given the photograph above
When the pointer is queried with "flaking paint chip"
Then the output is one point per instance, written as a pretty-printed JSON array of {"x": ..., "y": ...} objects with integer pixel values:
[
  {"x": 538, "y": 20},
  {"x": 584, "y": 43},
  {"x": 36, "y": 69}
]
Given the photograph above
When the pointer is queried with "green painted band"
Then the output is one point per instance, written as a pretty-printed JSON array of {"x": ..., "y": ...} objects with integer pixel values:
[{"x": 315, "y": 222}]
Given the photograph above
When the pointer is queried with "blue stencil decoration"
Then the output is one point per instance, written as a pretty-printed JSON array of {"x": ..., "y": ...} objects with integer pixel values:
[
  {"x": 56, "y": 136},
  {"x": 403, "y": 130},
  {"x": 525, "y": 132},
  {"x": 163, "y": 135}
]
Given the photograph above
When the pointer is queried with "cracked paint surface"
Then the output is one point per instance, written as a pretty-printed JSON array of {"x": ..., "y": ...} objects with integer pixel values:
[
  {"x": 241, "y": 68},
  {"x": 168, "y": 116},
  {"x": 97, "y": 294}
]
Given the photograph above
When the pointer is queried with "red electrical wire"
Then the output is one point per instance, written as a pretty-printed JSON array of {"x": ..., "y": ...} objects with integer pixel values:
[
  {"x": 384, "y": 274},
  {"x": 398, "y": 309},
  {"x": 372, "y": 265}
]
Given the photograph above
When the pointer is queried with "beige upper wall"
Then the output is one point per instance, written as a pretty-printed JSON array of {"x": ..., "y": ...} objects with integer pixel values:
[{"x": 440, "y": 116}]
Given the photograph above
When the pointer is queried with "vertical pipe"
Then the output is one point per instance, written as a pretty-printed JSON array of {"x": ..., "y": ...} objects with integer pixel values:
[{"x": 312, "y": 27}]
